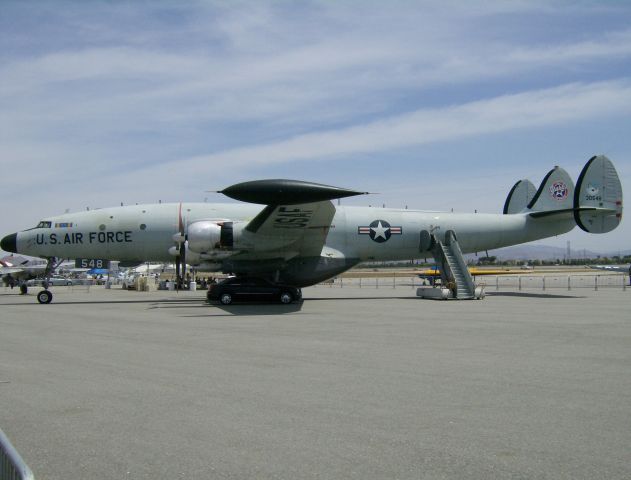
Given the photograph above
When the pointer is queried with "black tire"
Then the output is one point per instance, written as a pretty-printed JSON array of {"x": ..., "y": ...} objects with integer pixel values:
[
  {"x": 44, "y": 296},
  {"x": 68, "y": 284},
  {"x": 23, "y": 289},
  {"x": 225, "y": 299},
  {"x": 286, "y": 298}
]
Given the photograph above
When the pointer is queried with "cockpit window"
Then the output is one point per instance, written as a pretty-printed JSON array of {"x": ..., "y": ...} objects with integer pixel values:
[{"x": 43, "y": 224}]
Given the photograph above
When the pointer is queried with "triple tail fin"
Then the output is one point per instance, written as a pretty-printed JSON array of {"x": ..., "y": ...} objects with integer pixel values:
[
  {"x": 519, "y": 197},
  {"x": 595, "y": 203},
  {"x": 598, "y": 196},
  {"x": 555, "y": 194}
]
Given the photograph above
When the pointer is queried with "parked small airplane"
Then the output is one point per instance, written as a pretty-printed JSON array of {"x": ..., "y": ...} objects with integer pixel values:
[
  {"x": 17, "y": 269},
  {"x": 474, "y": 271},
  {"x": 300, "y": 237},
  {"x": 613, "y": 268}
]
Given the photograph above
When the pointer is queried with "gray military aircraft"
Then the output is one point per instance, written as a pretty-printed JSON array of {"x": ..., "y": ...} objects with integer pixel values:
[
  {"x": 300, "y": 237},
  {"x": 17, "y": 269},
  {"x": 614, "y": 268}
]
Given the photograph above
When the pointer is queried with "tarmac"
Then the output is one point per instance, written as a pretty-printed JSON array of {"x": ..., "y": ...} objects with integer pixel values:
[{"x": 357, "y": 383}]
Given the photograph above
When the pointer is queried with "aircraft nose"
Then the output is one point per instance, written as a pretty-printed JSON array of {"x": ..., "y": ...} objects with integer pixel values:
[{"x": 9, "y": 243}]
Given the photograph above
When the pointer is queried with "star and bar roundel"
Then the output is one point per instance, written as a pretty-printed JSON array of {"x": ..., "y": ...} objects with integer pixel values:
[{"x": 380, "y": 231}]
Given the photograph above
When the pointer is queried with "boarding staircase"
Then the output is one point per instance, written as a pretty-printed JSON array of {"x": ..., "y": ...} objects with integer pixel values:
[{"x": 453, "y": 267}]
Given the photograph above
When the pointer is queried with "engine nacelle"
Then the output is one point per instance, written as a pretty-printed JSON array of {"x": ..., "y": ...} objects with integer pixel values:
[
  {"x": 208, "y": 237},
  {"x": 204, "y": 236}
]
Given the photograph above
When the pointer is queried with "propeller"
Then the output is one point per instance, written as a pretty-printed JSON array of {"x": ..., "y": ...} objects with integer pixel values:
[
  {"x": 180, "y": 259},
  {"x": 183, "y": 260}
]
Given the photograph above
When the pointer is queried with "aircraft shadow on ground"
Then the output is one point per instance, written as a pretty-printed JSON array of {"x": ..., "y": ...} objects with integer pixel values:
[
  {"x": 394, "y": 297},
  {"x": 530, "y": 295},
  {"x": 259, "y": 308},
  {"x": 245, "y": 309},
  {"x": 166, "y": 302},
  {"x": 262, "y": 308}
]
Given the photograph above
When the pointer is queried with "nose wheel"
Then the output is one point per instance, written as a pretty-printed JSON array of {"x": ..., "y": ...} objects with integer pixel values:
[{"x": 44, "y": 296}]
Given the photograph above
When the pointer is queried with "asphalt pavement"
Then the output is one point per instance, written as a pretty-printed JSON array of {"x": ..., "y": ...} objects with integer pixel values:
[{"x": 352, "y": 383}]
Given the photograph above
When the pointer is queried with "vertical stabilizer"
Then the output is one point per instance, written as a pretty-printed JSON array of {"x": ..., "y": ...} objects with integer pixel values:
[
  {"x": 556, "y": 192},
  {"x": 519, "y": 197},
  {"x": 599, "y": 190}
]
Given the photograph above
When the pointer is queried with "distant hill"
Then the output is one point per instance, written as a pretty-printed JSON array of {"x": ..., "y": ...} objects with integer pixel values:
[
  {"x": 622, "y": 253},
  {"x": 525, "y": 252}
]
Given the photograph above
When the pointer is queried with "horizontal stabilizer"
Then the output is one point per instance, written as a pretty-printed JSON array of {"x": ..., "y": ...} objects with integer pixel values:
[
  {"x": 599, "y": 187},
  {"x": 285, "y": 192},
  {"x": 566, "y": 211},
  {"x": 556, "y": 192},
  {"x": 519, "y": 196}
]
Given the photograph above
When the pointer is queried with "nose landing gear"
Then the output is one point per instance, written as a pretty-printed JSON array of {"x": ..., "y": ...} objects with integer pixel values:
[{"x": 44, "y": 296}]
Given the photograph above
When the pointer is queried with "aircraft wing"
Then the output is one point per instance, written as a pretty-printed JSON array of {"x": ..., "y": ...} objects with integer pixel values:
[
  {"x": 296, "y": 220},
  {"x": 32, "y": 270},
  {"x": 10, "y": 270},
  {"x": 22, "y": 273},
  {"x": 291, "y": 230}
]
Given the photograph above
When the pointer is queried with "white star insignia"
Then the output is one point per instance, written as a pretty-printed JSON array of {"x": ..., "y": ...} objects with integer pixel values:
[{"x": 380, "y": 231}]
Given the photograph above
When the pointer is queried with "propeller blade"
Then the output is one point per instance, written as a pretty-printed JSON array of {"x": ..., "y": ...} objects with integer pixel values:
[
  {"x": 177, "y": 272},
  {"x": 182, "y": 245},
  {"x": 183, "y": 257}
]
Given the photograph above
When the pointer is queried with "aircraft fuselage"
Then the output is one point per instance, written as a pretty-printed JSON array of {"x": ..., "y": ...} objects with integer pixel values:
[
  {"x": 301, "y": 238},
  {"x": 356, "y": 234}
]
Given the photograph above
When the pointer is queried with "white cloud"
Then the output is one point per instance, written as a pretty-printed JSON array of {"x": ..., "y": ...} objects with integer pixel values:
[
  {"x": 160, "y": 94},
  {"x": 611, "y": 45},
  {"x": 353, "y": 70},
  {"x": 568, "y": 103}
]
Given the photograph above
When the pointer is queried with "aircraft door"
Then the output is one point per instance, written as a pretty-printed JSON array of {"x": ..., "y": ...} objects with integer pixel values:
[{"x": 426, "y": 241}]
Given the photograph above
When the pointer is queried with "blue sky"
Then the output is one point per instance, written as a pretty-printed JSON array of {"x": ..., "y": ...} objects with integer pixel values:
[{"x": 435, "y": 105}]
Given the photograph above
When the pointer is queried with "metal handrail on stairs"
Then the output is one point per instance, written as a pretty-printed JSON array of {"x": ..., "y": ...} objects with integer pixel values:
[
  {"x": 12, "y": 467},
  {"x": 453, "y": 266}
]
